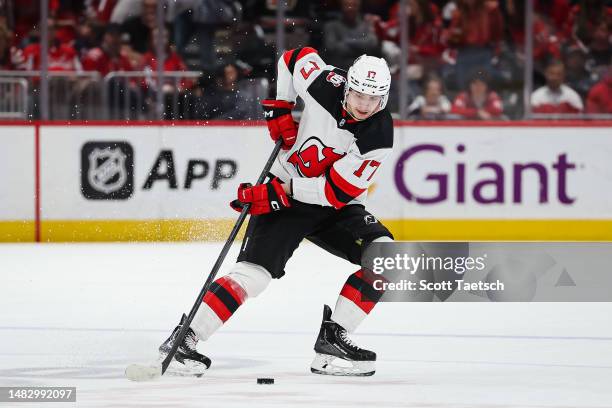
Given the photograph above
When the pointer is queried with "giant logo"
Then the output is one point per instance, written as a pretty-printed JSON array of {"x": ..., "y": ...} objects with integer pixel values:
[
  {"x": 107, "y": 170},
  {"x": 313, "y": 158},
  {"x": 484, "y": 182}
]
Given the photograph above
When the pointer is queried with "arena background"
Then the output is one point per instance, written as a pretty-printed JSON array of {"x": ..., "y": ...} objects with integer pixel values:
[{"x": 548, "y": 180}]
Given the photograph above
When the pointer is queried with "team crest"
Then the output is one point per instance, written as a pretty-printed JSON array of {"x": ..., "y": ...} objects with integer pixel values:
[
  {"x": 313, "y": 158},
  {"x": 335, "y": 79}
]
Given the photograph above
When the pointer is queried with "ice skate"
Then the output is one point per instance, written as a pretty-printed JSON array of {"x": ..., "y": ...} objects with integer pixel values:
[
  {"x": 336, "y": 354},
  {"x": 187, "y": 361}
]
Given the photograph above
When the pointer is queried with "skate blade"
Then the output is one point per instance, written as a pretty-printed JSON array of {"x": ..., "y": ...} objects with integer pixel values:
[
  {"x": 140, "y": 372},
  {"x": 324, "y": 365}
]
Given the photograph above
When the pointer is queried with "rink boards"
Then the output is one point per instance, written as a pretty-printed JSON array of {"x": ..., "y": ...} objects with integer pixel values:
[{"x": 114, "y": 181}]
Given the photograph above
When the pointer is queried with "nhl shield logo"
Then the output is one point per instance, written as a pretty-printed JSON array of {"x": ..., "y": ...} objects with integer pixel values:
[{"x": 107, "y": 170}]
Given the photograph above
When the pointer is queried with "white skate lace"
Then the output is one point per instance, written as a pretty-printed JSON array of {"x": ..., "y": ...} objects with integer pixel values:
[
  {"x": 191, "y": 340},
  {"x": 346, "y": 339}
]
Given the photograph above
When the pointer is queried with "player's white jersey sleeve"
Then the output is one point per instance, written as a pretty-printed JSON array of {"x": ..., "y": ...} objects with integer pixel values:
[
  {"x": 297, "y": 69},
  {"x": 346, "y": 180}
]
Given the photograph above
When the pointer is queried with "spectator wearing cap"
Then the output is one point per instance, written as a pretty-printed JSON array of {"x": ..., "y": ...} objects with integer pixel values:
[
  {"x": 555, "y": 96},
  {"x": 478, "y": 102},
  {"x": 349, "y": 37},
  {"x": 599, "y": 99},
  {"x": 433, "y": 104}
]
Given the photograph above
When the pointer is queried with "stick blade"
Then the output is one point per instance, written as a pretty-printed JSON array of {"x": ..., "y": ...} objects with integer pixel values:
[{"x": 141, "y": 372}]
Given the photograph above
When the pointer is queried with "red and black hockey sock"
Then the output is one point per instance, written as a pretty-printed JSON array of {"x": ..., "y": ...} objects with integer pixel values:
[
  {"x": 359, "y": 288},
  {"x": 225, "y": 297},
  {"x": 357, "y": 298}
]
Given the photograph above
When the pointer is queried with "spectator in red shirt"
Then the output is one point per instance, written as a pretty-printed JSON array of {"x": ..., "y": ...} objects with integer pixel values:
[
  {"x": 62, "y": 57},
  {"x": 555, "y": 96},
  {"x": 599, "y": 99},
  {"x": 172, "y": 86},
  {"x": 107, "y": 57},
  {"x": 476, "y": 30},
  {"x": 554, "y": 12},
  {"x": 65, "y": 14},
  {"x": 547, "y": 30},
  {"x": 478, "y": 102},
  {"x": 172, "y": 62}
]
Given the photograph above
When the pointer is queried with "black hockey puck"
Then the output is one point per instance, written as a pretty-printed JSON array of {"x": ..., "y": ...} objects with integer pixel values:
[{"x": 265, "y": 381}]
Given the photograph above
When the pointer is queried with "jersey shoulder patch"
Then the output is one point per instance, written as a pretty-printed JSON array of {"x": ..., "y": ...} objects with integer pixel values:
[{"x": 375, "y": 132}]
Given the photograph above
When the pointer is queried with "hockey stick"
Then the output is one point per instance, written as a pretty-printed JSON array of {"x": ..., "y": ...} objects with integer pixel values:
[{"x": 139, "y": 372}]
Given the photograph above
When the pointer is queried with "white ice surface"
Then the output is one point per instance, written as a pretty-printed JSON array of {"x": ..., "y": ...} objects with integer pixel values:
[{"x": 76, "y": 315}]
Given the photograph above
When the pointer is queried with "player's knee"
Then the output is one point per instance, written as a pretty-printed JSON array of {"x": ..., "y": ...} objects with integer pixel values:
[{"x": 253, "y": 278}]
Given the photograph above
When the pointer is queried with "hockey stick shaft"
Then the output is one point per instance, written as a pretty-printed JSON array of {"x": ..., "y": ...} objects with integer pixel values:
[{"x": 243, "y": 214}]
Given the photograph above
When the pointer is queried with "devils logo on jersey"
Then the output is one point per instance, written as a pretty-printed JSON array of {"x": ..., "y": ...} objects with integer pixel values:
[{"x": 313, "y": 158}]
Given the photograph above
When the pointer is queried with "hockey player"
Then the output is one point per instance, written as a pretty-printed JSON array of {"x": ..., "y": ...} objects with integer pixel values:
[{"x": 316, "y": 190}]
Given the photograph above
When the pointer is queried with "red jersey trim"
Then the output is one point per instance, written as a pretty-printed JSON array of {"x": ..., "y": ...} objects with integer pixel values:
[{"x": 344, "y": 185}]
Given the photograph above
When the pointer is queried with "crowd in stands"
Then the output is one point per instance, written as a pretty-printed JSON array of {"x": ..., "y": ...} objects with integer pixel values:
[{"x": 465, "y": 58}]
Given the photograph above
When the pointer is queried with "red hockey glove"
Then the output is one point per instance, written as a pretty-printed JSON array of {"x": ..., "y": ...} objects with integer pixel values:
[
  {"x": 264, "y": 198},
  {"x": 280, "y": 122}
]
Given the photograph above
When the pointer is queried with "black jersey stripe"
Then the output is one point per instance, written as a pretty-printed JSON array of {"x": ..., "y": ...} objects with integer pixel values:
[
  {"x": 340, "y": 194},
  {"x": 293, "y": 59}
]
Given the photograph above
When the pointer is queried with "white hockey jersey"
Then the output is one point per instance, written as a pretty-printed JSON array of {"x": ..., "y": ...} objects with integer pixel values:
[{"x": 335, "y": 158}]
